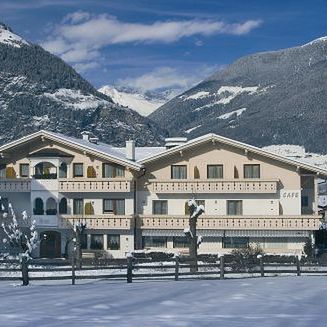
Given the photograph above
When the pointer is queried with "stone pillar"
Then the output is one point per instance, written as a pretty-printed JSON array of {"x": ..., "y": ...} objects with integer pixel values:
[{"x": 105, "y": 241}]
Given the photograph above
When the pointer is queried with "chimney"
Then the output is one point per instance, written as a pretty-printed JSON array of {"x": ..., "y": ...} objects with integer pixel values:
[
  {"x": 171, "y": 142},
  {"x": 85, "y": 135},
  {"x": 130, "y": 150}
]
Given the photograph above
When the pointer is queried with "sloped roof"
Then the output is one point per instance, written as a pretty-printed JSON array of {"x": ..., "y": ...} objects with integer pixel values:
[
  {"x": 101, "y": 149},
  {"x": 224, "y": 140}
]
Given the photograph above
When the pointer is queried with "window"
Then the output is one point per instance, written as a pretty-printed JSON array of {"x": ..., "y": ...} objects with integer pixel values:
[
  {"x": 96, "y": 241},
  {"x": 180, "y": 242},
  {"x": 63, "y": 206},
  {"x": 24, "y": 170},
  {"x": 78, "y": 207},
  {"x": 234, "y": 207},
  {"x": 160, "y": 207},
  {"x": 113, "y": 242},
  {"x": 115, "y": 206},
  {"x": 4, "y": 205},
  {"x": 38, "y": 207},
  {"x": 83, "y": 241},
  {"x": 215, "y": 171},
  {"x": 63, "y": 170},
  {"x": 51, "y": 206},
  {"x": 3, "y": 171},
  {"x": 154, "y": 241},
  {"x": 251, "y": 171},
  {"x": 178, "y": 172},
  {"x": 235, "y": 242},
  {"x": 112, "y": 171},
  {"x": 198, "y": 202},
  {"x": 304, "y": 201},
  {"x": 78, "y": 170}
]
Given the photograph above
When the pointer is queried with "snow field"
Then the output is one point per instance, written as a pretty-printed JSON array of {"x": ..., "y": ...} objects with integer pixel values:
[{"x": 269, "y": 302}]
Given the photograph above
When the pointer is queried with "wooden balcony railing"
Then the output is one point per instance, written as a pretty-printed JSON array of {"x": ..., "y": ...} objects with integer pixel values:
[
  {"x": 214, "y": 186},
  {"x": 95, "y": 185},
  {"x": 15, "y": 185},
  {"x": 98, "y": 221},
  {"x": 233, "y": 222}
]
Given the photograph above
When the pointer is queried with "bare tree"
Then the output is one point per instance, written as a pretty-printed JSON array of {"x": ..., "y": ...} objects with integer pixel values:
[{"x": 194, "y": 241}]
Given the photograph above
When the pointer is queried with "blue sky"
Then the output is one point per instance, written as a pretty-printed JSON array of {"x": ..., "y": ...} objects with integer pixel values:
[{"x": 162, "y": 43}]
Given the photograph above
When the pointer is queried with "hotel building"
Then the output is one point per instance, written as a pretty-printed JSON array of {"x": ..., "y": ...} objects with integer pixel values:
[{"x": 134, "y": 198}]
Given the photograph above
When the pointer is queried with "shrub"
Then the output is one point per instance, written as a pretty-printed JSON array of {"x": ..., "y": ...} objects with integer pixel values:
[{"x": 245, "y": 258}]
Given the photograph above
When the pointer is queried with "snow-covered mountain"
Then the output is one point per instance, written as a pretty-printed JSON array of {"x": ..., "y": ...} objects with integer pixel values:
[
  {"x": 40, "y": 91},
  {"x": 142, "y": 102},
  {"x": 277, "y": 97}
]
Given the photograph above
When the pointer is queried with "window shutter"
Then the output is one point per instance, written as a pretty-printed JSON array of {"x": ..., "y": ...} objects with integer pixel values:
[
  {"x": 10, "y": 172},
  {"x": 196, "y": 173}
]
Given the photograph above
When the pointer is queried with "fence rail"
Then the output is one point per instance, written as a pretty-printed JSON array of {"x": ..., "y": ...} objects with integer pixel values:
[{"x": 134, "y": 269}]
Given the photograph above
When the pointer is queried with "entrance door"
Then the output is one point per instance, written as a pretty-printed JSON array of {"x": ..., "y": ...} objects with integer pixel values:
[{"x": 50, "y": 245}]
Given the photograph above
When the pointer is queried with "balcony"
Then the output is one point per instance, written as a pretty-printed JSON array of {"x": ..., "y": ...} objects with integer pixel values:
[
  {"x": 98, "y": 221},
  {"x": 45, "y": 221},
  {"x": 95, "y": 185},
  {"x": 214, "y": 186},
  {"x": 233, "y": 222},
  {"x": 15, "y": 185}
]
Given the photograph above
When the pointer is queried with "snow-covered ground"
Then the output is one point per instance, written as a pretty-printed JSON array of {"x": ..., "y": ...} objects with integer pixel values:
[{"x": 283, "y": 301}]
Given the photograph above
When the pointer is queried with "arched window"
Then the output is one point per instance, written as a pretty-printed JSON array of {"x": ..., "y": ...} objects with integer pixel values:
[
  {"x": 63, "y": 206},
  {"x": 38, "y": 207},
  {"x": 51, "y": 206},
  {"x": 45, "y": 170},
  {"x": 63, "y": 170}
]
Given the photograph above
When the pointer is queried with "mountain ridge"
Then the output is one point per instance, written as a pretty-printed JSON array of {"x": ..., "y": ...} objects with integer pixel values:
[
  {"x": 40, "y": 91},
  {"x": 274, "y": 97}
]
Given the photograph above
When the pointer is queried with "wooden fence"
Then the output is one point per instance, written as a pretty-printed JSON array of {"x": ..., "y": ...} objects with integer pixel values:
[{"x": 131, "y": 269}]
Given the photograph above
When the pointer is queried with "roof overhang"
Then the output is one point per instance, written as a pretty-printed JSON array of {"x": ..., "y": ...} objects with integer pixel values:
[
  {"x": 226, "y": 141},
  {"x": 62, "y": 140}
]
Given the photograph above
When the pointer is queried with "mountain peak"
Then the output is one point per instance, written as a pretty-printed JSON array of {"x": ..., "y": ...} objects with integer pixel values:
[
  {"x": 142, "y": 102},
  {"x": 318, "y": 40},
  {"x": 8, "y": 37}
]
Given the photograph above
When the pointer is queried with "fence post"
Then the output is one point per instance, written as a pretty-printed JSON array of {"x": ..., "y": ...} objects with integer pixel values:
[
  {"x": 298, "y": 268},
  {"x": 176, "y": 267},
  {"x": 25, "y": 271},
  {"x": 73, "y": 269},
  {"x": 262, "y": 268},
  {"x": 222, "y": 267},
  {"x": 129, "y": 268}
]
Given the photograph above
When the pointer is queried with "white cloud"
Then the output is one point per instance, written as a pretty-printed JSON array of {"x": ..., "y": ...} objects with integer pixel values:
[
  {"x": 168, "y": 78},
  {"x": 77, "y": 17},
  {"x": 83, "y": 67},
  {"x": 81, "y": 35}
]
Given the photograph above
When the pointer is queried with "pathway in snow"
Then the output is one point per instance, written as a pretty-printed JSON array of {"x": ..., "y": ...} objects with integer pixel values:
[{"x": 279, "y": 301}]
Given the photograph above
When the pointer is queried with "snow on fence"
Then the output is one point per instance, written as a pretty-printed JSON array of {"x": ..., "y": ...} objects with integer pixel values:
[{"x": 131, "y": 269}]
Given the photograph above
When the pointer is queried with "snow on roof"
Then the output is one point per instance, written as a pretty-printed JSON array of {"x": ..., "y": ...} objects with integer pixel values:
[
  {"x": 225, "y": 140},
  {"x": 148, "y": 154},
  {"x": 100, "y": 148}
]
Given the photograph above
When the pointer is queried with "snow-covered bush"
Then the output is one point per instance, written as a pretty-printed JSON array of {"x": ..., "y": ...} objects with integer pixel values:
[{"x": 20, "y": 238}]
